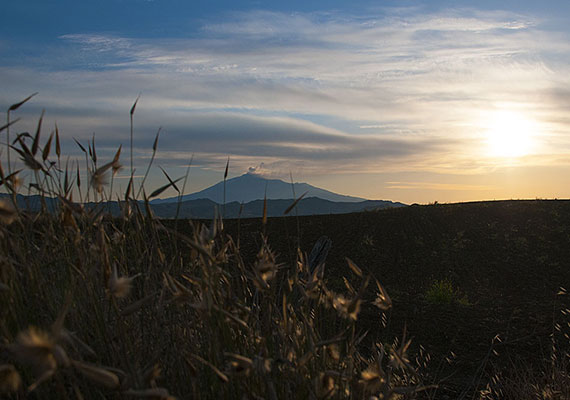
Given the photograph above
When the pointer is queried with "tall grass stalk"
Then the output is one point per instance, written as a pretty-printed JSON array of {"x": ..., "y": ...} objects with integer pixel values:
[
  {"x": 136, "y": 307},
  {"x": 131, "y": 114}
]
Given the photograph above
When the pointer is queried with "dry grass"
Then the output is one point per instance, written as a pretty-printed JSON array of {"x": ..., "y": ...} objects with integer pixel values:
[
  {"x": 94, "y": 306},
  {"x": 548, "y": 379}
]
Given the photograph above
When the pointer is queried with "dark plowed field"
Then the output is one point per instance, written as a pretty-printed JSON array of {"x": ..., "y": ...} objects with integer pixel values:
[{"x": 507, "y": 261}]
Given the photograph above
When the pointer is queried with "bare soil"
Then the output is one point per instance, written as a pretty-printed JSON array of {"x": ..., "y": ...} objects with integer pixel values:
[{"x": 506, "y": 260}]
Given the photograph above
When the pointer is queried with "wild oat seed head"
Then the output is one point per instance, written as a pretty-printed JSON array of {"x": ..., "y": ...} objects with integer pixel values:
[
  {"x": 99, "y": 178},
  {"x": 333, "y": 352},
  {"x": 325, "y": 386},
  {"x": 372, "y": 378},
  {"x": 399, "y": 357},
  {"x": 8, "y": 213},
  {"x": 347, "y": 308},
  {"x": 116, "y": 167},
  {"x": 10, "y": 380},
  {"x": 119, "y": 286},
  {"x": 239, "y": 365},
  {"x": 34, "y": 348},
  {"x": 15, "y": 180}
]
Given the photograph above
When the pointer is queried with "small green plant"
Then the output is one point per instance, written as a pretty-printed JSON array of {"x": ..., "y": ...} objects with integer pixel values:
[{"x": 441, "y": 292}]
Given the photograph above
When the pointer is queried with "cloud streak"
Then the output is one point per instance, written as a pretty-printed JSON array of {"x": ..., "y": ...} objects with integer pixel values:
[
  {"x": 392, "y": 90},
  {"x": 438, "y": 186}
]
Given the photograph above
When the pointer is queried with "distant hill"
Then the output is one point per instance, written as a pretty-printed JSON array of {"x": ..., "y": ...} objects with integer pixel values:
[
  {"x": 250, "y": 187},
  {"x": 244, "y": 198},
  {"x": 206, "y": 209}
]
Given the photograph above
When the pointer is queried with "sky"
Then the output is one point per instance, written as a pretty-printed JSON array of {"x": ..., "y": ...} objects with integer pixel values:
[{"x": 412, "y": 101}]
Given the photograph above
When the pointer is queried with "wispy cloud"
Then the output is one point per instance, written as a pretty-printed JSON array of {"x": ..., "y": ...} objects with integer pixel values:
[
  {"x": 331, "y": 92},
  {"x": 438, "y": 186},
  {"x": 95, "y": 42}
]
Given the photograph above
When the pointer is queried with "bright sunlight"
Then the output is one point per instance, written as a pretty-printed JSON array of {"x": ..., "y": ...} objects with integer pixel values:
[{"x": 510, "y": 134}]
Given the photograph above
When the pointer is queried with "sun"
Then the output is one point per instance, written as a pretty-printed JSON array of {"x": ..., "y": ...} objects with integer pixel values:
[{"x": 510, "y": 134}]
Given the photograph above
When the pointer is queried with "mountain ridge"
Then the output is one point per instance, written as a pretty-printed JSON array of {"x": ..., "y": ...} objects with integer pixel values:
[
  {"x": 250, "y": 187},
  {"x": 207, "y": 209}
]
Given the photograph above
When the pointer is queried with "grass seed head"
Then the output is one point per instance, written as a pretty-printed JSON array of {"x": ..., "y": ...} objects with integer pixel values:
[
  {"x": 8, "y": 213},
  {"x": 152, "y": 374},
  {"x": 119, "y": 286},
  {"x": 35, "y": 348},
  {"x": 265, "y": 267},
  {"x": 99, "y": 178},
  {"x": 373, "y": 377},
  {"x": 10, "y": 380},
  {"x": 15, "y": 180},
  {"x": 399, "y": 356},
  {"x": 116, "y": 167},
  {"x": 325, "y": 386},
  {"x": 115, "y": 164},
  {"x": 333, "y": 352},
  {"x": 239, "y": 365},
  {"x": 347, "y": 308}
]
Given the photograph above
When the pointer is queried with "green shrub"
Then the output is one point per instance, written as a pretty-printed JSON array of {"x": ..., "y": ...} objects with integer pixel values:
[{"x": 441, "y": 292}]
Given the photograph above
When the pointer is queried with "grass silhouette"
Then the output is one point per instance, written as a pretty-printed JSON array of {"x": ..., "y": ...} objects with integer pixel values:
[{"x": 134, "y": 307}]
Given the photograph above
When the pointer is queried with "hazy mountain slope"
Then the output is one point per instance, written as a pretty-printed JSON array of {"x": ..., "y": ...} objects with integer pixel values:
[
  {"x": 249, "y": 187},
  {"x": 205, "y": 209}
]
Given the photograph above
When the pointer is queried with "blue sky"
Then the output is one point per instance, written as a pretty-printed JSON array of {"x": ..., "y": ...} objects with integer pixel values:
[{"x": 404, "y": 100}]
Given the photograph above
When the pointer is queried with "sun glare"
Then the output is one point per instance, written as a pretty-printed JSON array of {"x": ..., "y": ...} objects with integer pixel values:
[{"x": 510, "y": 134}]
